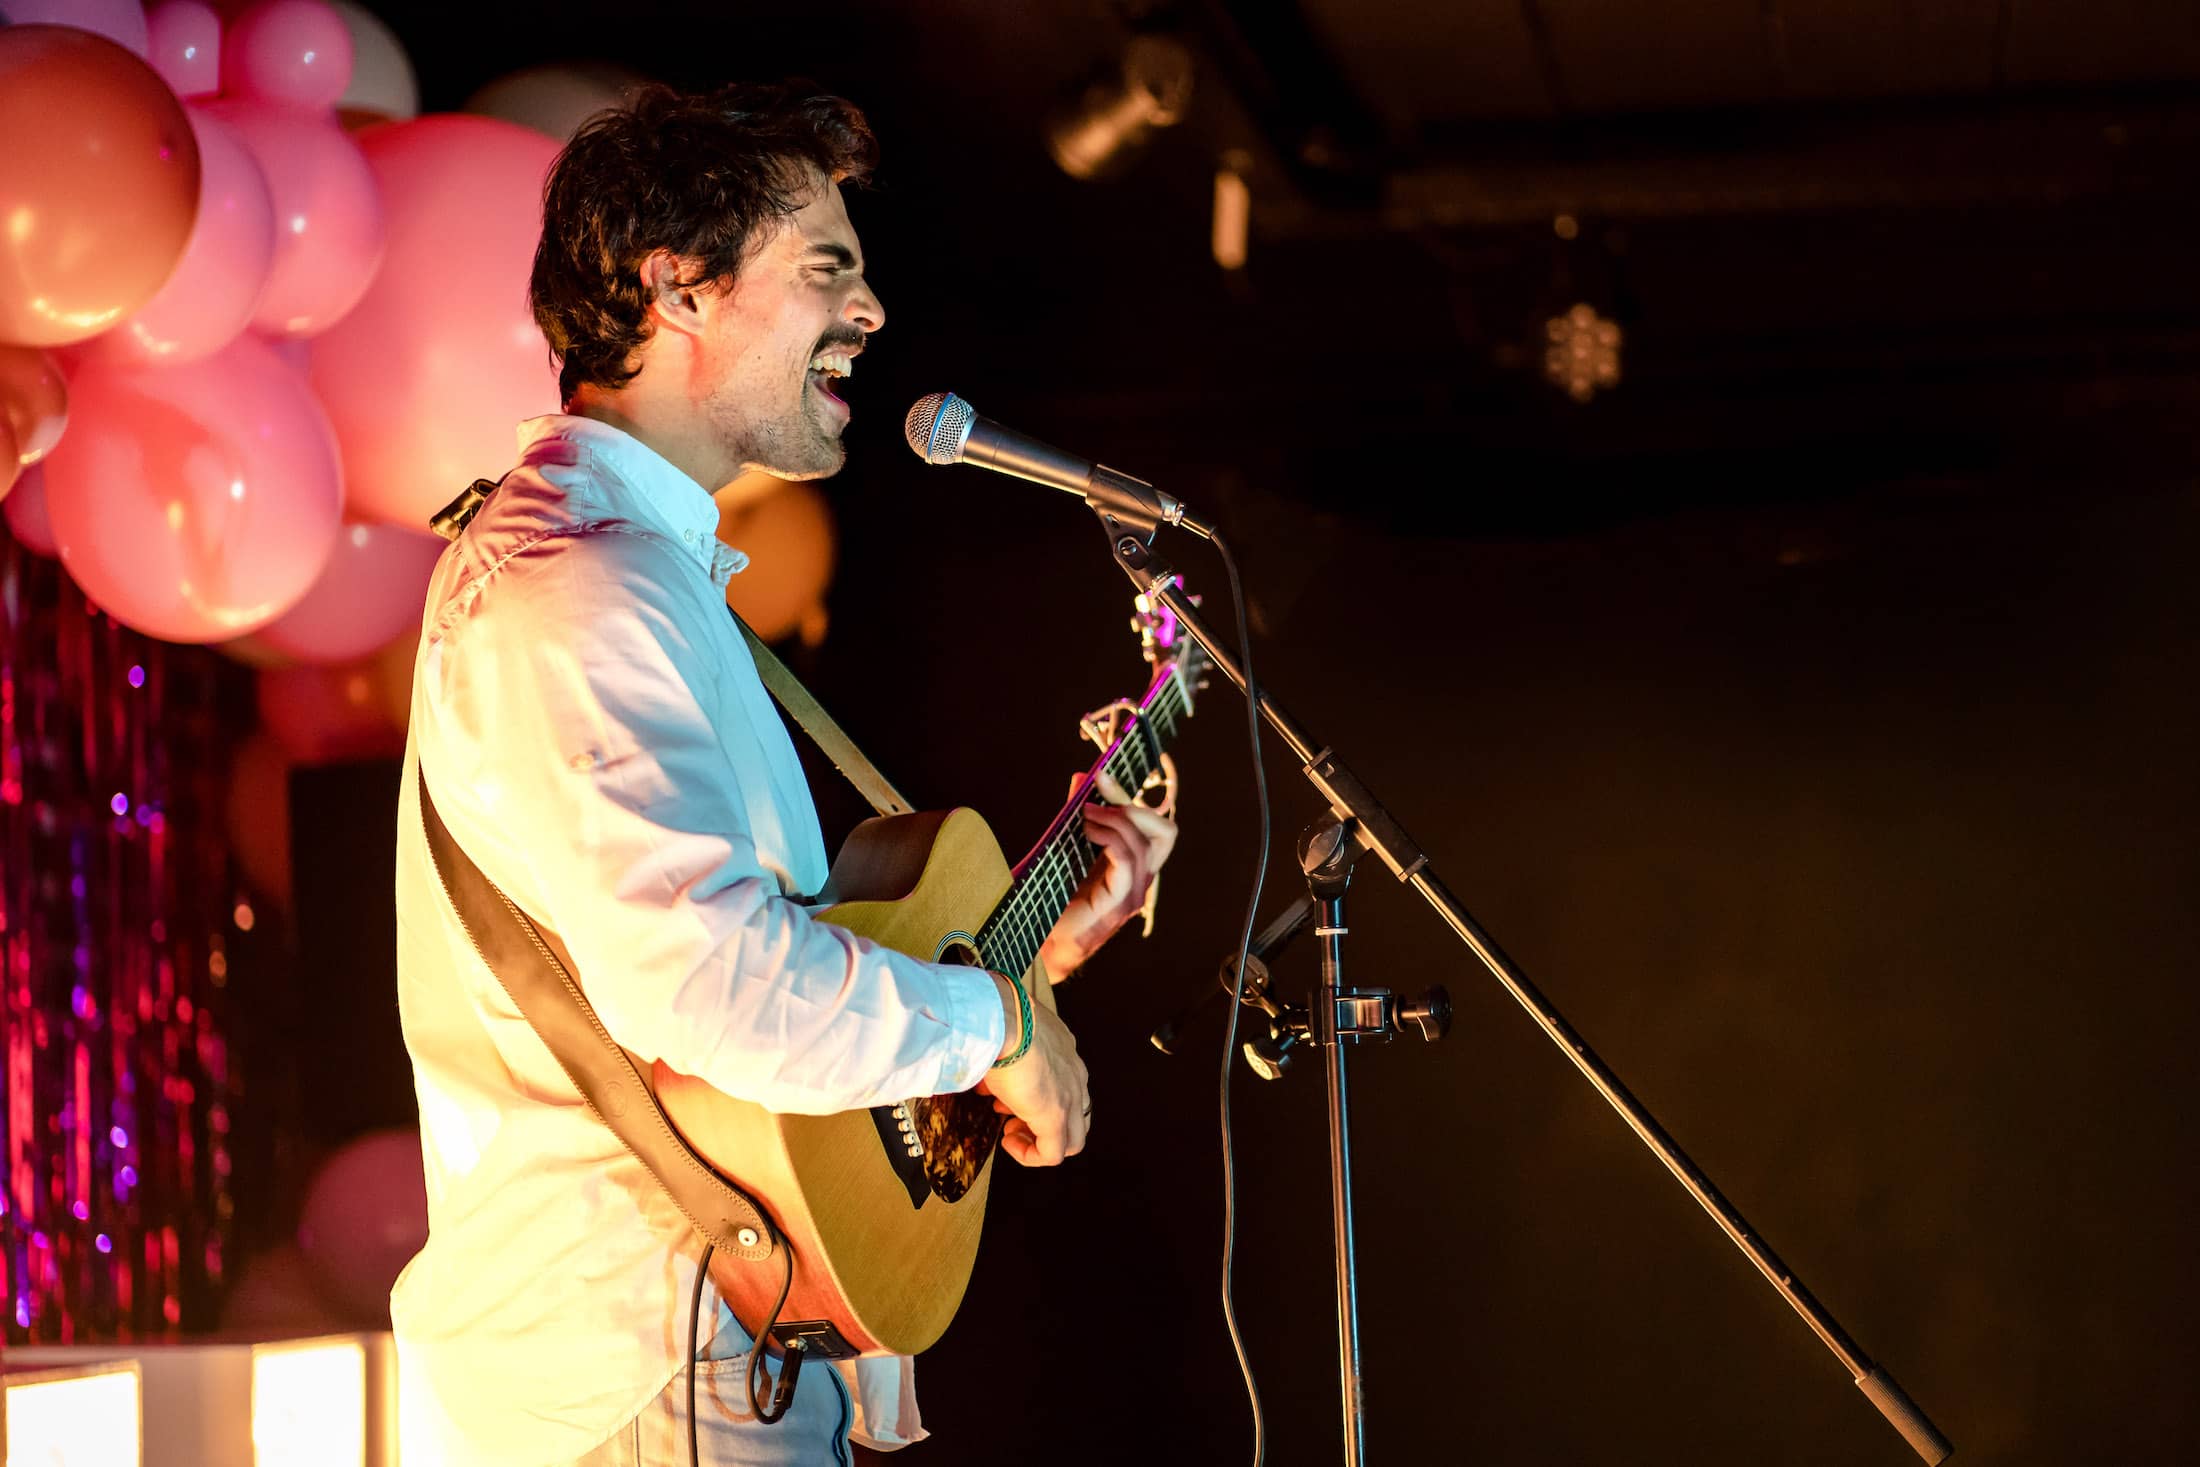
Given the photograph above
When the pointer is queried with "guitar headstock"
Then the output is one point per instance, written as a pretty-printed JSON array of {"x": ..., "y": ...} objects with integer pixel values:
[{"x": 1167, "y": 645}]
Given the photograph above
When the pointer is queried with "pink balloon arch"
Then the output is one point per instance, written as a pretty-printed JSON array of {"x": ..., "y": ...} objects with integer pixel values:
[
  {"x": 196, "y": 503},
  {"x": 29, "y": 520},
  {"x": 443, "y": 341},
  {"x": 328, "y": 213},
  {"x": 251, "y": 351},
  {"x": 218, "y": 283},
  {"x": 373, "y": 588}
]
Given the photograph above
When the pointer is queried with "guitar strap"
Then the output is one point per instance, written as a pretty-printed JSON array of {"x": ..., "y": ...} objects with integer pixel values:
[
  {"x": 536, "y": 971},
  {"x": 818, "y": 724}
]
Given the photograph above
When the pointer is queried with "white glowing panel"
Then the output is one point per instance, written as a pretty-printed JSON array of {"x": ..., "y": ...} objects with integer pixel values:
[
  {"x": 309, "y": 1405},
  {"x": 88, "y": 1420}
]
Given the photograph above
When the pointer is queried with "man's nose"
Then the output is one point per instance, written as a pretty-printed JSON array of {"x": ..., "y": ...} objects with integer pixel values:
[{"x": 863, "y": 309}]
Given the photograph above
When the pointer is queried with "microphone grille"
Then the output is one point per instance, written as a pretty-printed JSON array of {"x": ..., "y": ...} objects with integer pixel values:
[{"x": 938, "y": 426}]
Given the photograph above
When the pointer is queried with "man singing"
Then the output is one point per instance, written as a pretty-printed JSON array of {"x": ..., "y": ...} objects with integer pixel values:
[{"x": 597, "y": 740}]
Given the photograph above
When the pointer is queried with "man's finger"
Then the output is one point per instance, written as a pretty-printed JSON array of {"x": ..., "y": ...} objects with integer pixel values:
[
  {"x": 1123, "y": 855},
  {"x": 1052, "y": 1144},
  {"x": 1151, "y": 828}
]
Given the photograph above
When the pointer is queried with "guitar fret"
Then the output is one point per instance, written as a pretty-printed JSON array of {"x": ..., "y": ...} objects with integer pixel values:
[
  {"x": 1013, "y": 935},
  {"x": 1149, "y": 751}
]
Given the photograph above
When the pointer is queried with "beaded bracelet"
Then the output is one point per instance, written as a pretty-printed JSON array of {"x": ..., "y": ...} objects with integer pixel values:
[{"x": 1023, "y": 1017}]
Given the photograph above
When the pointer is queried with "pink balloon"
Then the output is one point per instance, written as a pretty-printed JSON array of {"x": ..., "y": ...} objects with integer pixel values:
[
  {"x": 120, "y": 21},
  {"x": 443, "y": 342},
  {"x": 293, "y": 350},
  {"x": 319, "y": 715},
  {"x": 374, "y": 586},
  {"x": 365, "y": 1216},
  {"x": 27, "y": 516},
  {"x": 224, "y": 269},
  {"x": 99, "y": 183},
  {"x": 185, "y": 46},
  {"x": 195, "y": 503},
  {"x": 297, "y": 52},
  {"x": 34, "y": 402},
  {"x": 328, "y": 214}
]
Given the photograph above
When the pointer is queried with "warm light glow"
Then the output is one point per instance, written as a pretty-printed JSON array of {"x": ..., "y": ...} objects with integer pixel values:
[
  {"x": 88, "y": 1420},
  {"x": 1233, "y": 211},
  {"x": 1584, "y": 352},
  {"x": 309, "y": 1404}
]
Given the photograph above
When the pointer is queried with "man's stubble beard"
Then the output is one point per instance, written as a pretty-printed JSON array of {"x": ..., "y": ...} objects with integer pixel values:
[{"x": 790, "y": 446}]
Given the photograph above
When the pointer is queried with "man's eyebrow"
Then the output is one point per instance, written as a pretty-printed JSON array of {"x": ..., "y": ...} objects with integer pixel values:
[{"x": 838, "y": 253}]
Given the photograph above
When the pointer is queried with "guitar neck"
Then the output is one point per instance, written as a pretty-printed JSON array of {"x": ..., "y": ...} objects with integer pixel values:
[{"x": 1048, "y": 876}]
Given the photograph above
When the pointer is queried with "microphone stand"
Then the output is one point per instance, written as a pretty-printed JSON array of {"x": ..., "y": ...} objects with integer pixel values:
[{"x": 1326, "y": 855}]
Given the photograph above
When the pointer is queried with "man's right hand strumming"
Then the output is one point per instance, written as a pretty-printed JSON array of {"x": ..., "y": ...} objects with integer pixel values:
[{"x": 1045, "y": 1094}]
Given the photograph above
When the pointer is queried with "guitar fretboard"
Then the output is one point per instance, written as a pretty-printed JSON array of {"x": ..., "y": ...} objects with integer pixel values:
[{"x": 1049, "y": 876}]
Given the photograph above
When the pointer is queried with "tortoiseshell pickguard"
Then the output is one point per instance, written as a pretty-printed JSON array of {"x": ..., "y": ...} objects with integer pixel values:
[{"x": 958, "y": 1133}]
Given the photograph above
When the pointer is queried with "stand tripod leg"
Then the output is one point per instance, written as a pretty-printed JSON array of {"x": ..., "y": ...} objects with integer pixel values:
[{"x": 1348, "y": 1308}]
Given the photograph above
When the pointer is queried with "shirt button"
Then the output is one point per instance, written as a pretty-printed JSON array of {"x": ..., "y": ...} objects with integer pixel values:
[{"x": 688, "y": 535}]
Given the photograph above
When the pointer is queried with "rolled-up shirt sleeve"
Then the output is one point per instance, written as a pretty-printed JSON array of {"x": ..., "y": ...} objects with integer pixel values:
[{"x": 570, "y": 751}]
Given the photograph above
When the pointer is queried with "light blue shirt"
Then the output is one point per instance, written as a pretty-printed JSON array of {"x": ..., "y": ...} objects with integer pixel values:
[{"x": 599, "y": 742}]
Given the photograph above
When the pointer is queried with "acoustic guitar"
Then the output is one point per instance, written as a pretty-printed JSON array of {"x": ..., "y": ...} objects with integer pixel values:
[{"x": 881, "y": 1209}]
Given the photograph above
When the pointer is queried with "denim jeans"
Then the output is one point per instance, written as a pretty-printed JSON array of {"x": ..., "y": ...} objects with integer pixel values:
[{"x": 813, "y": 1433}]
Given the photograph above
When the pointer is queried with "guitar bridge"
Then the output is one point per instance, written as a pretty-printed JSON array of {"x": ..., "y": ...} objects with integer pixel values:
[
  {"x": 938, "y": 1145},
  {"x": 897, "y": 1132}
]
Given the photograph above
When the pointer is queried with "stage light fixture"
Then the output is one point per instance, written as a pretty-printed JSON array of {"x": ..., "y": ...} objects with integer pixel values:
[
  {"x": 1583, "y": 352},
  {"x": 1116, "y": 114}
]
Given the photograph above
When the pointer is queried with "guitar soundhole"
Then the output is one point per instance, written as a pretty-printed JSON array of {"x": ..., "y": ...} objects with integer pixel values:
[{"x": 958, "y": 1131}]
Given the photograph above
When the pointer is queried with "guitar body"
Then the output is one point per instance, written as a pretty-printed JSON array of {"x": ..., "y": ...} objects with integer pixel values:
[{"x": 878, "y": 1253}]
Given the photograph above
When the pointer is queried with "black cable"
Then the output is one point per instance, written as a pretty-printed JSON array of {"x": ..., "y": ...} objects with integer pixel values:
[
  {"x": 790, "y": 1363},
  {"x": 764, "y": 1413},
  {"x": 695, "y": 1309},
  {"x": 1230, "y": 1030}
]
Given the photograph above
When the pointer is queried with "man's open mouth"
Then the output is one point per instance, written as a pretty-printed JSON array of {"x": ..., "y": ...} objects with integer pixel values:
[{"x": 828, "y": 367}]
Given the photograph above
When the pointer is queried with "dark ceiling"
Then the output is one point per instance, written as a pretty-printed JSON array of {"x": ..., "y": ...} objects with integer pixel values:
[{"x": 1845, "y": 239}]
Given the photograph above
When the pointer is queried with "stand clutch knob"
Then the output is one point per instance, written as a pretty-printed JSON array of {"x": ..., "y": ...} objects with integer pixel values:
[
  {"x": 1270, "y": 1057},
  {"x": 1430, "y": 1015}
]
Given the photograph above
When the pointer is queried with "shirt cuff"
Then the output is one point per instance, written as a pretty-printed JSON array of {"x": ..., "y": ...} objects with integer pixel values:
[{"x": 976, "y": 1025}]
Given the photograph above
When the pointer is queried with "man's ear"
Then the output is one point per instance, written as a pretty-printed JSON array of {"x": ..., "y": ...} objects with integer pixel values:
[{"x": 672, "y": 303}]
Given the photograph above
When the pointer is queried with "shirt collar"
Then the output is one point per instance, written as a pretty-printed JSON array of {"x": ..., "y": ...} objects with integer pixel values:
[{"x": 665, "y": 494}]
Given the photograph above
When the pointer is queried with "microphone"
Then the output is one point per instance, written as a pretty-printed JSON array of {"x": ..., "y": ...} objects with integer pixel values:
[{"x": 943, "y": 429}]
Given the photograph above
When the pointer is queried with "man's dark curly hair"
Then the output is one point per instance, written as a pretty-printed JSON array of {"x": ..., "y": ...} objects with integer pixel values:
[{"x": 699, "y": 174}]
